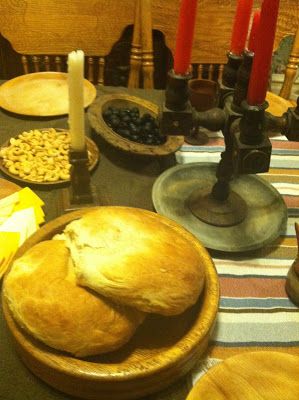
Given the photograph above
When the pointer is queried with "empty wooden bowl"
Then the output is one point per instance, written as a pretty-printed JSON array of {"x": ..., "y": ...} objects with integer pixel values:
[
  {"x": 95, "y": 116},
  {"x": 162, "y": 350},
  {"x": 257, "y": 375}
]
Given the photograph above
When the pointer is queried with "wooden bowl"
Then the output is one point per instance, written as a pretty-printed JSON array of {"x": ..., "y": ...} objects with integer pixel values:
[
  {"x": 93, "y": 162},
  {"x": 125, "y": 101},
  {"x": 162, "y": 350},
  {"x": 262, "y": 375}
]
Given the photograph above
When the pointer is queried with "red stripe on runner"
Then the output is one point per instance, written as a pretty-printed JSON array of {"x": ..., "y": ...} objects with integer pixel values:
[{"x": 252, "y": 287}]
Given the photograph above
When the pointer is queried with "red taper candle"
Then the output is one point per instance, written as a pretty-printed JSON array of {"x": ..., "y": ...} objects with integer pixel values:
[
  {"x": 240, "y": 27},
  {"x": 184, "y": 38},
  {"x": 253, "y": 32},
  {"x": 258, "y": 82}
]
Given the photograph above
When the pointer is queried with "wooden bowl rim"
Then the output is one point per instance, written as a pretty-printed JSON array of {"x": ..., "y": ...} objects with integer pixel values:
[
  {"x": 90, "y": 145},
  {"x": 184, "y": 348},
  {"x": 97, "y": 122}
]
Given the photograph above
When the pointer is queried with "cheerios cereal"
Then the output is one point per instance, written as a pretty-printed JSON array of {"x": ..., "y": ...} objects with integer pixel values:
[{"x": 39, "y": 156}]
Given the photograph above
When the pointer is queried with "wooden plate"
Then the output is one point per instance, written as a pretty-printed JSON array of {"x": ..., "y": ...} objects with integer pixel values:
[
  {"x": 91, "y": 147},
  {"x": 40, "y": 94},
  {"x": 7, "y": 188},
  {"x": 162, "y": 350},
  {"x": 125, "y": 101},
  {"x": 260, "y": 375},
  {"x": 277, "y": 104}
]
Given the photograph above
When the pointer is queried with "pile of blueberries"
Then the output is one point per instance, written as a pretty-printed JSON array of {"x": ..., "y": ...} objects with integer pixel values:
[{"x": 128, "y": 123}]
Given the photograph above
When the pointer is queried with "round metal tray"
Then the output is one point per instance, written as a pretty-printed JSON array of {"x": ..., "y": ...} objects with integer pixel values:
[{"x": 266, "y": 216}]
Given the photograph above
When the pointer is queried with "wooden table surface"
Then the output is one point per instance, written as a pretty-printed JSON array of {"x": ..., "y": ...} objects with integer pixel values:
[
  {"x": 135, "y": 177},
  {"x": 247, "y": 282}
]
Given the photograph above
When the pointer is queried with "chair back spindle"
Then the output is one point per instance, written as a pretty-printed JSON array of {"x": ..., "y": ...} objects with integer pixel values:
[
  {"x": 291, "y": 69},
  {"x": 147, "y": 44},
  {"x": 136, "y": 53}
]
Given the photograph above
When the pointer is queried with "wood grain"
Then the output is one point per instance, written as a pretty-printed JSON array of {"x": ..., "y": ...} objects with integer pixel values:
[
  {"x": 41, "y": 94},
  {"x": 291, "y": 69},
  {"x": 136, "y": 55},
  {"x": 277, "y": 104},
  {"x": 7, "y": 188},
  {"x": 214, "y": 26},
  {"x": 162, "y": 350},
  {"x": 126, "y": 101},
  {"x": 54, "y": 27},
  {"x": 261, "y": 375},
  {"x": 93, "y": 162}
]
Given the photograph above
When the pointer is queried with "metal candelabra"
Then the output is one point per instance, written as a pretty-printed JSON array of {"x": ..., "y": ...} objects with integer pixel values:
[{"x": 227, "y": 206}]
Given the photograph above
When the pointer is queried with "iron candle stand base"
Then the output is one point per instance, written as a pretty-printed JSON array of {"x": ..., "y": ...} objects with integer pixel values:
[{"x": 80, "y": 193}]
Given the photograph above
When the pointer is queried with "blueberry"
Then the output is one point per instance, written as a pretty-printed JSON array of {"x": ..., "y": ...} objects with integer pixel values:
[
  {"x": 126, "y": 118},
  {"x": 128, "y": 123},
  {"x": 134, "y": 138},
  {"x": 114, "y": 121},
  {"x": 136, "y": 120},
  {"x": 115, "y": 111},
  {"x": 124, "y": 132},
  {"x": 107, "y": 114},
  {"x": 134, "y": 128}
]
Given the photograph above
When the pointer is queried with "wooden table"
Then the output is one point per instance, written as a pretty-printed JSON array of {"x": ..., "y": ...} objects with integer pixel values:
[
  {"x": 254, "y": 312},
  {"x": 135, "y": 177}
]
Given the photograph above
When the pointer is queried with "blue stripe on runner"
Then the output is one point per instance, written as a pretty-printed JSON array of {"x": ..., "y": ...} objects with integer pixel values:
[
  {"x": 258, "y": 276},
  {"x": 214, "y": 149},
  {"x": 256, "y": 344},
  {"x": 229, "y": 302}
]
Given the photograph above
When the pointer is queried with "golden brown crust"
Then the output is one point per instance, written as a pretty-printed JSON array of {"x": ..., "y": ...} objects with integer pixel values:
[
  {"x": 138, "y": 258},
  {"x": 43, "y": 297}
]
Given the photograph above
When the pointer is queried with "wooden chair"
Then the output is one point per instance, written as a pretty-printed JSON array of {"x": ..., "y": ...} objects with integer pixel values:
[
  {"x": 291, "y": 69},
  {"x": 142, "y": 54},
  {"x": 44, "y": 32},
  {"x": 212, "y": 31}
]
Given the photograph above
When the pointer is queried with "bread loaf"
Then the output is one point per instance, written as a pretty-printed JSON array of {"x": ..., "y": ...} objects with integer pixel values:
[
  {"x": 137, "y": 258},
  {"x": 43, "y": 296}
]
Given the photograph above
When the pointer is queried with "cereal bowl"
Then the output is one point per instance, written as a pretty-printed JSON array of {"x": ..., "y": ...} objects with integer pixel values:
[{"x": 41, "y": 156}]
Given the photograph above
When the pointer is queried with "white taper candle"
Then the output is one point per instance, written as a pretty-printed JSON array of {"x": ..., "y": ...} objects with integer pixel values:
[{"x": 76, "y": 99}]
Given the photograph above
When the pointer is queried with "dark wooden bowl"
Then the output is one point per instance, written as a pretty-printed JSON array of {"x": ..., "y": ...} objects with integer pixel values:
[
  {"x": 97, "y": 122},
  {"x": 162, "y": 350}
]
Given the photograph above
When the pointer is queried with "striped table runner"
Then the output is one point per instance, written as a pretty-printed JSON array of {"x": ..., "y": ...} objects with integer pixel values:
[{"x": 255, "y": 312}]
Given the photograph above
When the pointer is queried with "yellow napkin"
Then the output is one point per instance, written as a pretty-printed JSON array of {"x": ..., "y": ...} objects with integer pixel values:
[
  {"x": 9, "y": 243},
  {"x": 21, "y": 213},
  {"x": 23, "y": 222},
  {"x": 20, "y": 216},
  {"x": 27, "y": 198}
]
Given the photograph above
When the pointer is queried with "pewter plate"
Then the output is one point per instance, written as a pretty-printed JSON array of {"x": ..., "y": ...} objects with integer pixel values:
[{"x": 266, "y": 217}]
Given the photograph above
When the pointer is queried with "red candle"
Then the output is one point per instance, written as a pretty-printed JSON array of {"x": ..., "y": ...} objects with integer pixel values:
[
  {"x": 253, "y": 31},
  {"x": 184, "y": 37},
  {"x": 258, "y": 82},
  {"x": 240, "y": 27}
]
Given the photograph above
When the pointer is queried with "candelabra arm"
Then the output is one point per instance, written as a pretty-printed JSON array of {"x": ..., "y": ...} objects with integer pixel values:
[
  {"x": 213, "y": 119},
  {"x": 286, "y": 124},
  {"x": 225, "y": 170},
  {"x": 275, "y": 124},
  {"x": 291, "y": 128},
  {"x": 176, "y": 113},
  {"x": 243, "y": 76},
  {"x": 229, "y": 76},
  {"x": 252, "y": 147},
  {"x": 178, "y": 117}
]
